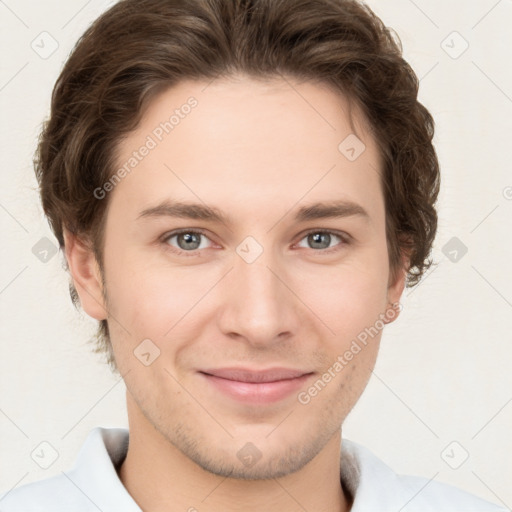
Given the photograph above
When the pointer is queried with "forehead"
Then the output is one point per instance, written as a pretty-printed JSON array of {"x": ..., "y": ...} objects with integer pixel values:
[{"x": 243, "y": 141}]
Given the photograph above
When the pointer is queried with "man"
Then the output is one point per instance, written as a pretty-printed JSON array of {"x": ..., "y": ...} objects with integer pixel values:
[{"x": 242, "y": 191}]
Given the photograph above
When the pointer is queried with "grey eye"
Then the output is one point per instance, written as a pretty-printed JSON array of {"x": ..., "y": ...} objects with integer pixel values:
[{"x": 320, "y": 240}]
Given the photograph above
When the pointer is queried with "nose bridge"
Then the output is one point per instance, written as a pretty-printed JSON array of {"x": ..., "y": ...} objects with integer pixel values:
[{"x": 257, "y": 305}]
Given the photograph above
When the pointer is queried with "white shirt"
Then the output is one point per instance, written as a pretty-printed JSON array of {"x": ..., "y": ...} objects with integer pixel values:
[{"x": 93, "y": 485}]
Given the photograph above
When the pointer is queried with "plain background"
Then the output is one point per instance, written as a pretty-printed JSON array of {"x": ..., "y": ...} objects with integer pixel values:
[{"x": 442, "y": 387}]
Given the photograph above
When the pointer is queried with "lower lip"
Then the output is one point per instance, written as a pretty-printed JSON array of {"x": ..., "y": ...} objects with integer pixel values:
[{"x": 257, "y": 392}]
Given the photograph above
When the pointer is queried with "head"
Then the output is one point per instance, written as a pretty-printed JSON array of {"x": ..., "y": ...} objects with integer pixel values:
[{"x": 263, "y": 116}]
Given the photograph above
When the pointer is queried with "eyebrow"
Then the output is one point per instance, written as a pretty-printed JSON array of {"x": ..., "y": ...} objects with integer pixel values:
[{"x": 198, "y": 211}]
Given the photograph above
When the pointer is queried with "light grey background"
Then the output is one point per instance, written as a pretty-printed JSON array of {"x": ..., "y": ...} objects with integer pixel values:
[{"x": 444, "y": 373}]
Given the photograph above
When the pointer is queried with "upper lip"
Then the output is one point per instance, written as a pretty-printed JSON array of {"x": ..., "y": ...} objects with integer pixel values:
[{"x": 246, "y": 375}]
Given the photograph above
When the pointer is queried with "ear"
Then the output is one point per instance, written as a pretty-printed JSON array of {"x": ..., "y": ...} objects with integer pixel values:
[
  {"x": 396, "y": 287},
  {"x": 86, "y": 275}
]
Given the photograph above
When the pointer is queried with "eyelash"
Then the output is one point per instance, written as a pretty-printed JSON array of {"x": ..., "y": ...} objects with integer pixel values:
[{"x": 345, "y": 240}]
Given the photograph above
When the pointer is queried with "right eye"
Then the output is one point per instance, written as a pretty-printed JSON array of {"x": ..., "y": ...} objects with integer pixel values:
[{"x": 185, "y": 241}]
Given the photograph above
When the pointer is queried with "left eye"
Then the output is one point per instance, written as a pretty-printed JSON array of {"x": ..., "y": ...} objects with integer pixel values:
[{"x": 320, "y": 239}]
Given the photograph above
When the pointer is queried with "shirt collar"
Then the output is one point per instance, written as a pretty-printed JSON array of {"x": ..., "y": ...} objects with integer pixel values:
[
  {"x": 95, "y": 470},
  {"x": 367, "y": 479}
]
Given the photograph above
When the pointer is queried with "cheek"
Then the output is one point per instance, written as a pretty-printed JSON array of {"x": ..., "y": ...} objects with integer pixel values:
[
  {"x": 346, "y": 298},
  {"x": 151, "y": 297}
]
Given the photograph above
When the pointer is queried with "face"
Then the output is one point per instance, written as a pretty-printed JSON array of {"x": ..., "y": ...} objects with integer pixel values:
[{"x": 232, "y": 321}]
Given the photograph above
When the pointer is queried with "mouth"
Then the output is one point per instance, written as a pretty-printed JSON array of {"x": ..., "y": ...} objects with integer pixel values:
[{"x": 256, "y": 386}]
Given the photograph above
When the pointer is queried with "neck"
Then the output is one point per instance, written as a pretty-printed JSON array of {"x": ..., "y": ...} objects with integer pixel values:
[{"x": 161, "y": 478}]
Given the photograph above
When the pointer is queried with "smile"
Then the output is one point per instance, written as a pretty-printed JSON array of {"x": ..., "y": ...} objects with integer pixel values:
[{"x": 264, "y": 386}]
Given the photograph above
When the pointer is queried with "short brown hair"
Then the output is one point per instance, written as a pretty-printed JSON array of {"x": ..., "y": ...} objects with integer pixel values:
[{"x": 141, "y": 47}]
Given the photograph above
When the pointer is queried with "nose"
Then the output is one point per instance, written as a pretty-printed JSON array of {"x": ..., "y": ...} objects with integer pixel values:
[{"x": 258, "y": 304}]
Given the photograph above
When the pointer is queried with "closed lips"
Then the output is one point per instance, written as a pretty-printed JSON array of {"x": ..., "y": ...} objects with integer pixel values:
[{"x": 252, "y": 376}]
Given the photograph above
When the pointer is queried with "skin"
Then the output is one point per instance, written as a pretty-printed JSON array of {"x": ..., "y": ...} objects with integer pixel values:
[{"x": 257, "y": 151}]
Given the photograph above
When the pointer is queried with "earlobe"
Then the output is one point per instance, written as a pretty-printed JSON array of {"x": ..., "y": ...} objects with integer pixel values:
[
  {"x": 395, "y": 290},
  {"x": 86, "y": 275}
]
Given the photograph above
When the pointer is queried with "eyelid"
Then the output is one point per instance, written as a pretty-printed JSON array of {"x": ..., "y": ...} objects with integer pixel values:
[
  {"x": 178, "y": 231},
  {"x": 342, "y": 234}
]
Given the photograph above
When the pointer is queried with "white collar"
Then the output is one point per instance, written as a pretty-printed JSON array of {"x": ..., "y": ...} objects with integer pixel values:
[{"x": 93, "y": 484}]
